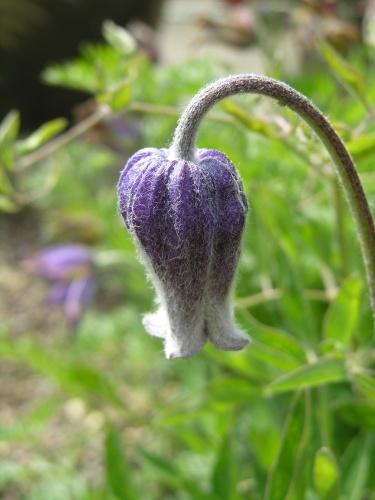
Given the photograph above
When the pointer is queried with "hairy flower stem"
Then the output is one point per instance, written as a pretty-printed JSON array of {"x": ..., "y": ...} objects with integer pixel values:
[{"x": 183, "y": 146}]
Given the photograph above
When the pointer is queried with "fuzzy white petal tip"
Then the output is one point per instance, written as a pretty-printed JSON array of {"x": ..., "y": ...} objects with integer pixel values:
[{"x": 185, "y": 339}]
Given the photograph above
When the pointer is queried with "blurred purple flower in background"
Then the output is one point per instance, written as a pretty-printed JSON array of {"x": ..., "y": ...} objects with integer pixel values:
[{"x": 70, "y": 270}]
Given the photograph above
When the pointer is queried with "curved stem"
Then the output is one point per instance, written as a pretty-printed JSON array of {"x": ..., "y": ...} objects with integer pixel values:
[{"x": 183, "y": 146}]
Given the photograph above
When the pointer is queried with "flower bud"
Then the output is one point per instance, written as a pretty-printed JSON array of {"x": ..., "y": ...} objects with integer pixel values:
[{"x": 187, "y": 219}]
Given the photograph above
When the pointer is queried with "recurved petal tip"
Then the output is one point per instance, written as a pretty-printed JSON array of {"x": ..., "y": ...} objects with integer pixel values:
[
  {"x": 156, "y": 323},
  {"x": 182, "y": 339},
  {"x": 222, "y": 329}
]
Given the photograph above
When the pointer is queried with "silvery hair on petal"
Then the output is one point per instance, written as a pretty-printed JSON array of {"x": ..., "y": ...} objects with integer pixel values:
[{"x": 187, "y": 218}]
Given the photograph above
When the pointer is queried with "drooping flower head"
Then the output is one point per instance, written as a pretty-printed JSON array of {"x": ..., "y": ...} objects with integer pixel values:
[
  {"x": 187, "y": 218},
  {"x": 186, "y": 209}
]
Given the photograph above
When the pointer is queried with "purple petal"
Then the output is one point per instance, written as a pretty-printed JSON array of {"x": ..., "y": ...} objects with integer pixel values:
[
  {"x": 79, "y": 295},
  {"x": 58, "y": 293},
  {"x": 62, "y": 262}
]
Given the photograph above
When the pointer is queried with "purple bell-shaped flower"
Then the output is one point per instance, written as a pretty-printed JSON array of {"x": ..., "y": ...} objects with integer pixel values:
[
  {"x": 186, "y": 209},
  {"x": 187, "y": 218}
]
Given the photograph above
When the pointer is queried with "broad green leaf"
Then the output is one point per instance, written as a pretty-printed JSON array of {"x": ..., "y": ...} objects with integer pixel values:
[
  {"x": 79, "y": 75},
  {"x": 366, "y": 385},
  {"x": 362, "y": 145},
  {"x": 119, "y": 38},
  {"x": 356, "y": 470},
  {"x": 326, "y": 472},
  {"x": 347, "y": 73},
  {"x": 119, "y": 475},
  {"x": 42, "y": 135},
  {"x": 121, "y": 98},
  {"x": 224, "y": 479},
  {"x": 252, "y": 123},
  {"x": 342, "y": 316},
  {"x": 117, "y": 99},
  {"x": 9, "y": 128},
  {"x": 323, "y": 371},
  {"x": 288, "y": 471}
]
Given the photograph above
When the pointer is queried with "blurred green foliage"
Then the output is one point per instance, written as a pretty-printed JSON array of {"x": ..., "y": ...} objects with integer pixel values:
[{"x": 291, "y": 417}]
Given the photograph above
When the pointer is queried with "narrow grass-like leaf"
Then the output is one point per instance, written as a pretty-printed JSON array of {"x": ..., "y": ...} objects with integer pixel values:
[
  {"x": 366, "y": 385},
  {"x": 74, "y": 376},
  {"x": 224, "y": 472},
  {"x": 273, "y": 346},
  {"x": 322, "y": 372},
  {"x": 254, "y": 124},
  {"x": 342, "y": 316},
  {"x": 355, "y": 474},
  {"x": 29, "y": 426},
  {"x": 357, "y": 413},
  {"x": 9, "y": 128},
  {"x": 42, "y": 135},
  {"x": 347, "y": 73},
  {"x": 118, "y": 470},
  {"x": 169, "y": 474},
  {"x": 362, "y": 145},
  {"x": 233, "y": 390},
  {"x": 287, "y": 473}
]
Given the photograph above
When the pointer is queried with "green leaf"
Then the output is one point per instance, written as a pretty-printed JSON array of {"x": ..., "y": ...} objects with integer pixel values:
[
  {"x": 6, "y": 187},
  {"x": 362, "y": 145},
  {"x": 326, "y": 472},
  {"x": 357, "y": 413},
  {"x": 9, "y": 128},
  {"x": 117, "y": 467},
  {"x": 233, "y": 390},
  {"x": 168, "y": 473},
  {"x": 323, "y": 371},
  {"x": 287, "y": 472},
  {"x": 347, "y": 73},
  {"x": 73, "y": 375},
  {"x": 366, "y": 385},
  {"x": 29, "y": 426},
  {"x": 274, "y": 347},
  {"x": 224, "y": 472},
  {"x": 238, "y": 363},
  {"x": 342, "y": 316},
  {"x": 78, "y": 75},
  {"x": 252, "y": 123},
  {"x": 7, "y": 205},
  {"x": 356, "y": 470},
  {"x": 119, "y": 38},
  {"x": 117, "y": 99},
  {"x": 42, "y": 135}
]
